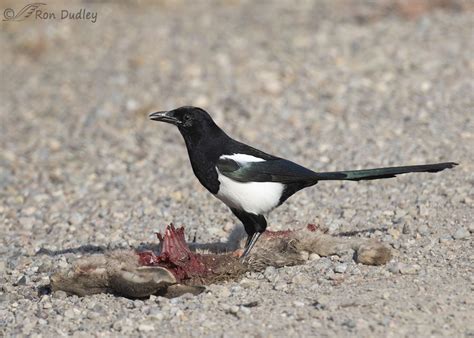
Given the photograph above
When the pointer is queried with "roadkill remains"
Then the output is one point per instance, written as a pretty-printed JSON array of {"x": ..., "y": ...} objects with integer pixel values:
[{"x": 181, "y": 268}]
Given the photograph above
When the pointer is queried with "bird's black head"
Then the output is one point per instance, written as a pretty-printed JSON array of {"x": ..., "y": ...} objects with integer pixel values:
[
  {"x": 183, "y": 117},
  {"x": 192, "y": 122}
]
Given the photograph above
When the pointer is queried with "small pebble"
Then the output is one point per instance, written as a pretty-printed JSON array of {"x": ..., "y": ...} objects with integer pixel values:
[
  {"x": 461, "y": 233},
  {"x": 423, "y": 230},
  {"x": 281, "y": 286},
  {"x": 245, "y": 310},
  {"x": 445, "y": 239},
  {"x": 406, "y": 229},
  {"x": 394, "y": 267},
  {"x": 146, "y": 328},
  {"x": 340, "y": 268},
  {"x": 394, "y": 233},
  {"x": 409, "y": 269},
  {"x": 76, "y": 219},
  {"x": 71, "y": 313},
  {"x": 22, "y": 280},
  {"x": 59, "y": 294}
]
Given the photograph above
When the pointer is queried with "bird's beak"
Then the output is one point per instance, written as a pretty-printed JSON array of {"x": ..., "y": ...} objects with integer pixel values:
[{"x": 165, "y": 116}]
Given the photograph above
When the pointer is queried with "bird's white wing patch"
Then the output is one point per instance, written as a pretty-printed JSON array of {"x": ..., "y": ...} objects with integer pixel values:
[{"x": 243, "y": 158}]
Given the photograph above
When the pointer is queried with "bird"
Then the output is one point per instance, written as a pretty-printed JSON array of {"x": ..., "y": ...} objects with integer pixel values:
[{"x": 249, "y": 181}]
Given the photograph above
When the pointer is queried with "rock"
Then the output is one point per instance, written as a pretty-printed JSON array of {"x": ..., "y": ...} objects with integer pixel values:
[
  {"x": 394, "y": 267},
  {"x": 348, "y": 213},
  {"x": 445, "y": 239},
  {"x": 27, "y": 222},
  {"x": 355, "y": 270},
  {"x": 304, "y": 255},
  {"x": 461, "y": 233},
  {"x": 132, "y": 105},
  {"x": 45, "y": 266},
  {"x": 394, "y": 233},
  {"x": 340, "y": 268},
  {"x": 228, "y": 227},
  {"x": 247, "y": 283},
  {"x": 282, "y": 286},
  {"x": 323, "y": 264},
  {"x": 270, "y": 273},
  {"x": 347, "y": 257},
  {"x": 157, "y": 316},
  {"x": 93, "y": 315},
  {"x": 177, "y": 196},
  {"x": 301, "y": 279},
  {"x": 406, "y": 229},
  {"x": 235, "y": 289},
  {"x": 59, "y": 294},
  {"x": 409, "y": 269},
  {"x": 336, "y": 277},
  {"x": 471, "y": 228},
  {"x": 271, "y": 82},
  {"x": 423, "y": 230},
  {"x": 245, "y": 310},
  {"x": 321, "y": 302},
  {"x": 76, "y": 218},
  {"x": 333, "y": 227},
  {"x": 99, "y": 308},
  {"x": 361, "y": 324},
  {"x": 22, "y": 280},
  {"x": 234, "y": 309},
  {"x": 146, "y": 328},
  {"x": 4, "y": 299},
  {"x": 349, "y": 324},
  {"x": 424, "y": 210},
  {"x": 71, "y": 313},
  {"x": 222, "y": 292}
]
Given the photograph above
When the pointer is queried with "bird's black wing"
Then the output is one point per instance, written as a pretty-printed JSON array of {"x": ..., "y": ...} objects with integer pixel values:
[{"x": 274, "y": 170}]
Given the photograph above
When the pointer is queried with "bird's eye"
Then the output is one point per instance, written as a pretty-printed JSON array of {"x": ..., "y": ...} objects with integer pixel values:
[{"x": 187, "y": 117}]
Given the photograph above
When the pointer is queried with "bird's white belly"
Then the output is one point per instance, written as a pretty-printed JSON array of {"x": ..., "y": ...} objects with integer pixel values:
[{"x": 254, "y": 197}]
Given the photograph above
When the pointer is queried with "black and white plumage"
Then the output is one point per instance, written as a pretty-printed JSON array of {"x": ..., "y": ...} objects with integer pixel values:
[{"x": 250, "y": 182}]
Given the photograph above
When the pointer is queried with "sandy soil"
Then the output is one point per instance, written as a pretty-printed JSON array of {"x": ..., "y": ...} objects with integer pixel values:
[{"x": 329, "y": 84}]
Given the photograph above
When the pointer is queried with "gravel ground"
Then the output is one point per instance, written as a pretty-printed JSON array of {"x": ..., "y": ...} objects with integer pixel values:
[{"x": 331, "y": 85}]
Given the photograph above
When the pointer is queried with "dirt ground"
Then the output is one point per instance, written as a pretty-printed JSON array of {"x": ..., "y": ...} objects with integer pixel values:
[{"x": 331, "y": 85}]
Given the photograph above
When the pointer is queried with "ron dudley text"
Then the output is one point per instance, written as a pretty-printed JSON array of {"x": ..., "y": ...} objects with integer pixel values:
[{"x": 65, "y": 14}]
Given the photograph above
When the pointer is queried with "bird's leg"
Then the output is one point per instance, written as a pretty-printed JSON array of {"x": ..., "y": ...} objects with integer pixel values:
[
  {"x": 251, "y": 240},
  {"x": 254, "y": 226}
]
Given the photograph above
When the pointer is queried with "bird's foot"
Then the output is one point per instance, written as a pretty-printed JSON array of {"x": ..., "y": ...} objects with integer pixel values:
[
  {"x": 249, "y": 245},
  {"x": 238, "y": 253}
]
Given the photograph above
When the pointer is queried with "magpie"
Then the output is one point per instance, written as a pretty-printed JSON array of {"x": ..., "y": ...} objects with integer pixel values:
[{"x": 249, "y": 181}]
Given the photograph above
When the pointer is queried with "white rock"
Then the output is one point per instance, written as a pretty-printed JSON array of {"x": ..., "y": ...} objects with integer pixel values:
[
  {"x": 461, "y": 233},
  {"x": 146, "y": 328},
  {"x": 340, "y": 268}
]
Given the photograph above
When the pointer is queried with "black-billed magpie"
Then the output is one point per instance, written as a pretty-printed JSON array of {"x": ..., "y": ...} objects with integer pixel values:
[{"x": 250, "y": 182}]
